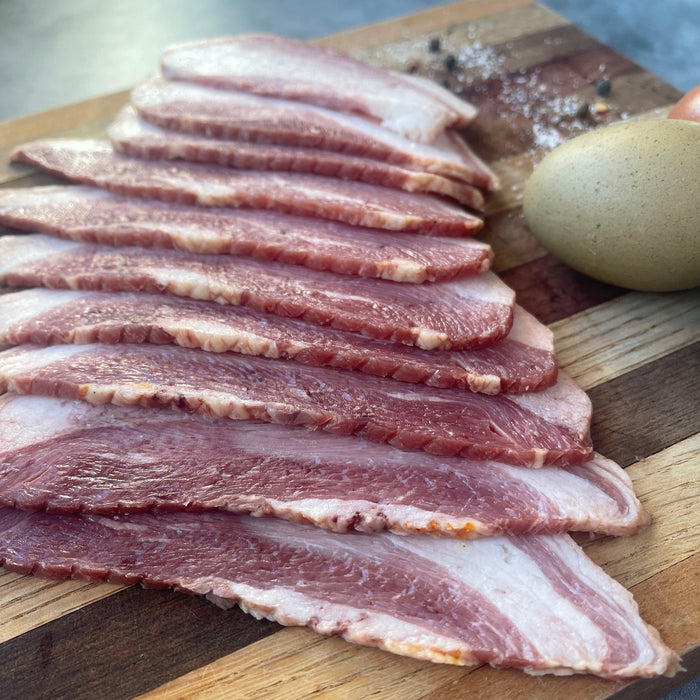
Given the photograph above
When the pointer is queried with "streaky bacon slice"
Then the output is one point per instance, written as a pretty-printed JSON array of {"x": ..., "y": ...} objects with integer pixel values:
[
  {"x": 71, "y": 456},
  {"x": 135, "y": 137},
  {"x": 94, "y": 216},
  {"x": 549, "y": 608},
  {"x": 240, "y": 116},
  {"x": 523, "y": 361},
  {"x": 462, "y": 314},
  {"x": 94, "y": 162},
  {"x": 296, "y": 70},
  {"x": 532, "y": 429}
]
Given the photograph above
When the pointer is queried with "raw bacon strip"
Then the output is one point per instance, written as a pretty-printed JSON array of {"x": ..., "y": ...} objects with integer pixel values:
[
  {"x": 94, "y": 162},
  {"x": 534, "y": 602},
  {"x": 523, "y": 361},
  {"x": 95, "y": 216},
  {"x": 533, "y": 429},
  {"x": 468, "y": 313},
  {"x": 70, "y": 456},
  {"x": 135, "y": 137},
  {"x": 239, "y": 116},
  {"x": 295, "y": 70}
]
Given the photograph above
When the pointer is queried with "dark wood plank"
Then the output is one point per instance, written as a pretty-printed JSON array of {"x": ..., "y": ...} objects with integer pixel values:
[
  {"x": 645, "y": 411},
  {"x": 123, "y": 645},
  {"x": 551, "y": 290}
]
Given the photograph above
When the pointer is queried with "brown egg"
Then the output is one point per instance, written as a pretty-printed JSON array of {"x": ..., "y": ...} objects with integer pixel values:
[
  {"x": 688, "y": 107},
  {"x": 622, "y": 204}
]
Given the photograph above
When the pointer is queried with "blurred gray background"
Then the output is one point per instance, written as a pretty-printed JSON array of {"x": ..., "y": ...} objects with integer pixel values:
[{"x": 54, "y": 52}]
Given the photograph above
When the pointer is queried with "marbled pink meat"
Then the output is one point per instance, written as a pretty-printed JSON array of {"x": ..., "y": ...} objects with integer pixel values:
[
  {"x": 532, "y": 429},
  {"x": 94, "y": 216},
  {"x": 135, "y": 137},
  {"x": 70, "y": 456},
  {"x": 534, "y": 602},
  {"x": 93, "y": 162},
  {"x": 468, "y": 313},
  {"x": 523, "y": 361},
  {"x": 295, "y": 70},
  {"x": 240, "y": 116}
]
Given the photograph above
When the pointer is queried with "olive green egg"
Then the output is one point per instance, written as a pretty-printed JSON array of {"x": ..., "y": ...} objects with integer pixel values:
[{"x": 622, "y": 204}]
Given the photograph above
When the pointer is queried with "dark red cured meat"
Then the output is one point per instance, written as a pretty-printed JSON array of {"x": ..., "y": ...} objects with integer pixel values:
[
  {"x": 69, "y": 456},
  {"x": 95, "y": 216},
  {"x": 417, "y": 596},
  {"x": 523, "y": 361},
  {"x": 135, "y": 137},
  {"x": 296, "y": 70},
  {"x": 468, "y": 313},
  {"x": 533, "y": 429},
  {"x": 239, "y": 116},
  {"x": 92, "y": 162}
]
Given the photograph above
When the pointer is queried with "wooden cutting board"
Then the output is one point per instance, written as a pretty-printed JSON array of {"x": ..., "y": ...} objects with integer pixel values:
[{"x": 528, "y": 70}]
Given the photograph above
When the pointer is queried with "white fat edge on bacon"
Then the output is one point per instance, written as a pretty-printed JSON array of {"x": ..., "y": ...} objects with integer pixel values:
[
  {"x": 528, "y": 330},
  {"x": 563, "y": 635},
  {"x": 486, "y": 286},
  {"x": 19, "y": 250},
  {"x": 17, "y": 307},
  {"x": 30, "y": 358},
  {"x": 564, "y": 404}
]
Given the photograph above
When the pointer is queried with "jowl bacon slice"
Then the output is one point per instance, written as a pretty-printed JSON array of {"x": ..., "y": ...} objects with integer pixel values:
[
  {"x": 71, "y": 456},
  {"x": 532, "y": 429},
  {"x": 240, "y": 116},
  {"x": 135, "y": 137},
  {"x": 296, "y": 70},
  {"x": 523, "y": 361},
  {"x": 533, "y": 602},
  {"x": 95, "y": 216},
  {"x": 94, "y": 162},
  {"x": 468, "y": 313}
]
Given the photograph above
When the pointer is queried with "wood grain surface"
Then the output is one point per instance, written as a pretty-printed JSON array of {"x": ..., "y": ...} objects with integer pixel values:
[{"x": 637, "y": 355}]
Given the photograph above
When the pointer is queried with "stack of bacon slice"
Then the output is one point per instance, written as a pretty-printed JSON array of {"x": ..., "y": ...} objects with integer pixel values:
[{"x": 355, "y": 366}]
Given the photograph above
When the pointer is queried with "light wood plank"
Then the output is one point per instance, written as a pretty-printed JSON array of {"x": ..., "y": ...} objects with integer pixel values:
[
  {"x": 27, "y": 602},
  {"x": 668, "y": 485},
  {"x": 618, "y": 336}
]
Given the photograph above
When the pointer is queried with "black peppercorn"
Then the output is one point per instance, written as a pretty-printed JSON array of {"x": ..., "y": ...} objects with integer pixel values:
[
  {"x": 450, "y": 62},
  {"x": 602, "y": 87},
  {"x": 583, "y": 110},
  {"x": 434, "y": 45}
]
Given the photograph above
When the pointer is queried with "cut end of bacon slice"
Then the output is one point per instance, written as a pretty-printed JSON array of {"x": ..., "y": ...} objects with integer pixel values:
[{"x": 94, "y": 162}]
